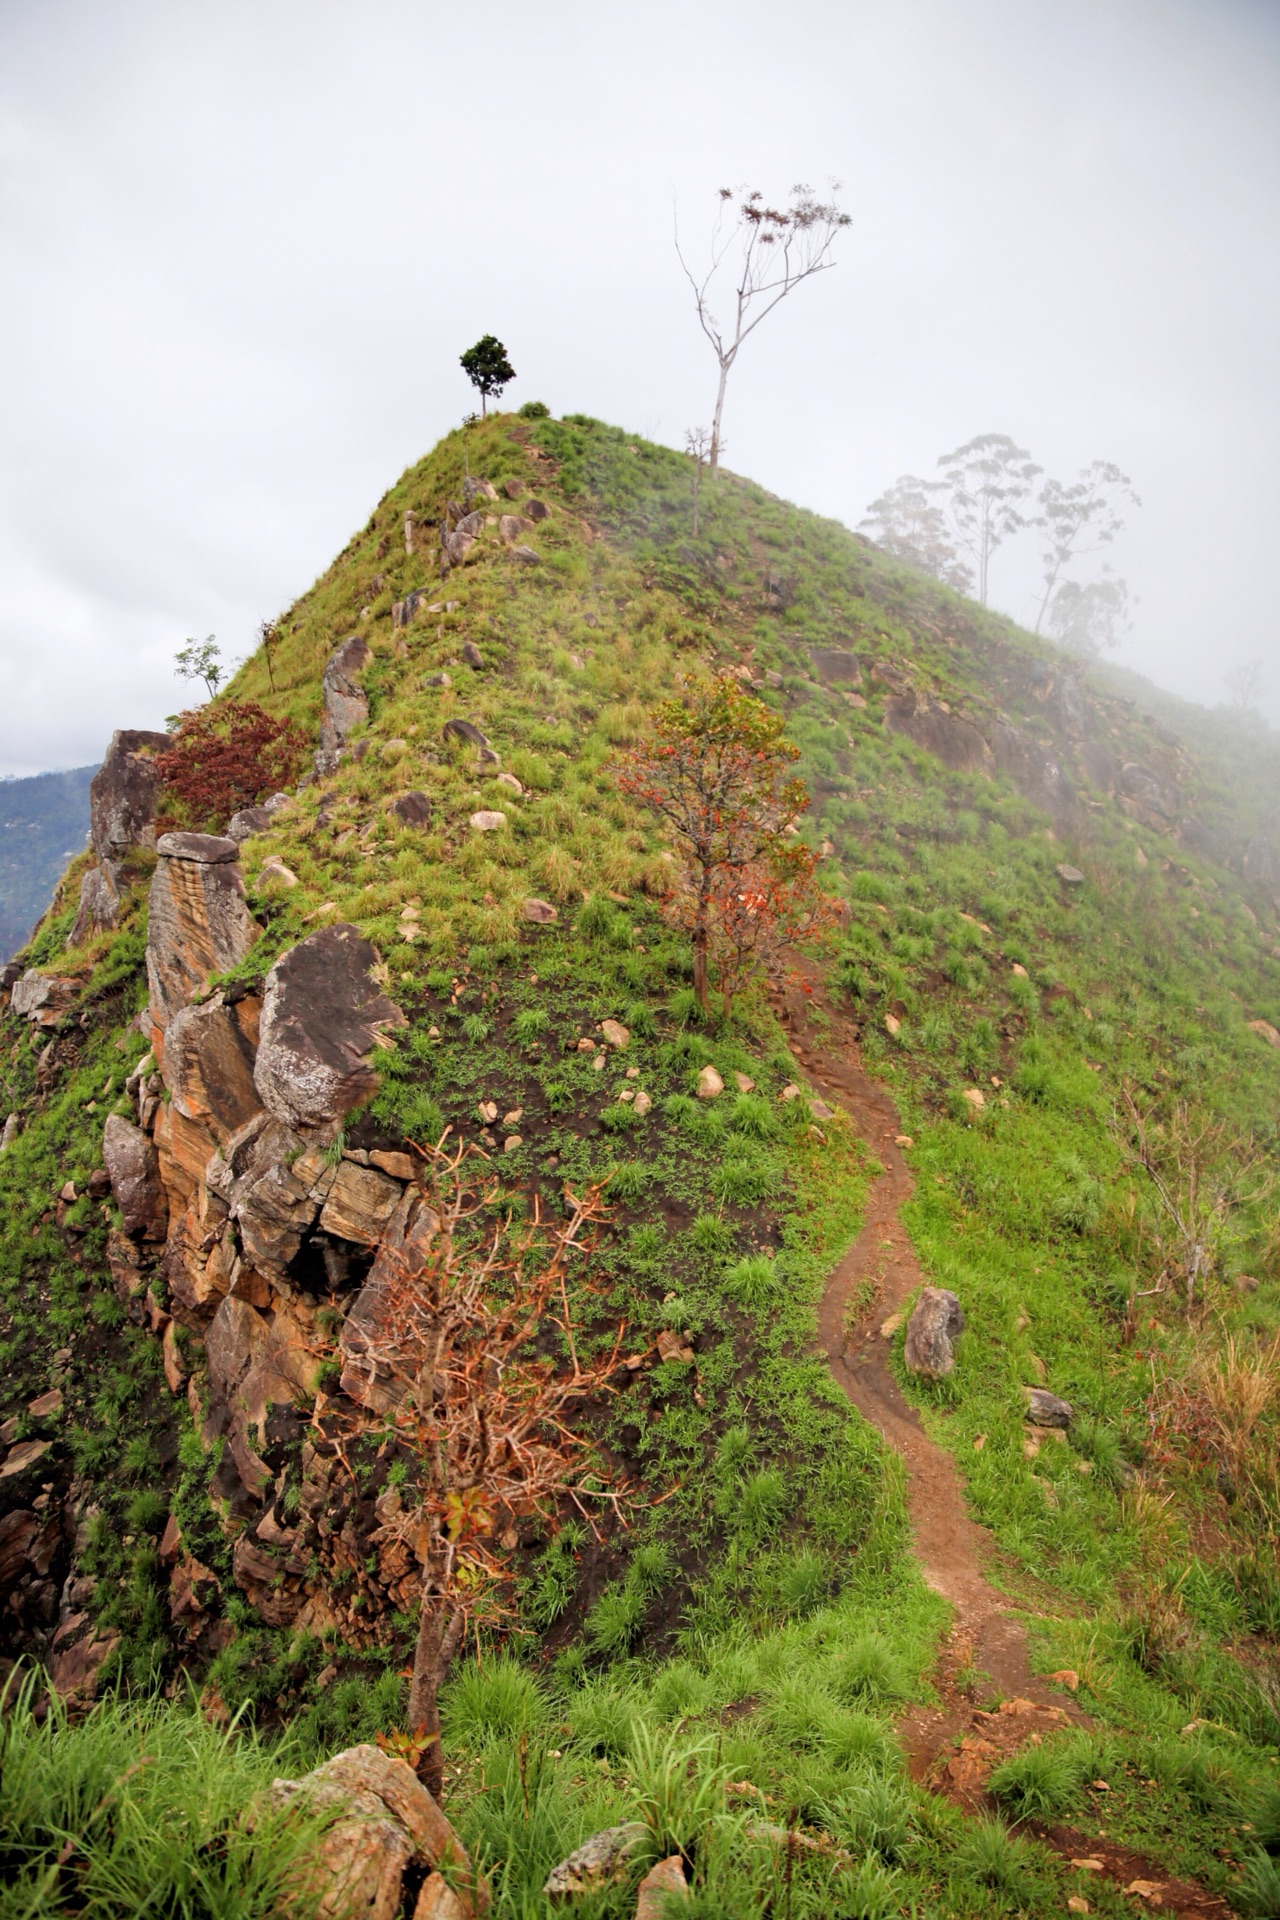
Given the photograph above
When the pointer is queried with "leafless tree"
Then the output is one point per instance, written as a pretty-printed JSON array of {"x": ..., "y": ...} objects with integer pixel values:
[{"x": 777, "y": 248}]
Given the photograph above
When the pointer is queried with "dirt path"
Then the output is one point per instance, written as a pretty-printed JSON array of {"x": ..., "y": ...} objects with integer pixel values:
[{"x": 955, "y": 1745}]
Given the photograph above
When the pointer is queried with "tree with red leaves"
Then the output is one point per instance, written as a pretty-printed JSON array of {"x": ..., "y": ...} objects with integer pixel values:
[
  {"x": 449, "y": 1361},
  {"x": 226, "y": 757},
  {"x": 717, "y": 770}
]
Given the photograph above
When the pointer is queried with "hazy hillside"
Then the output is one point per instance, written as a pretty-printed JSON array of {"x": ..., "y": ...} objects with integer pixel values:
[
  {"x": 43, "y": 823},
  {"x": 845, "y": 1638}
]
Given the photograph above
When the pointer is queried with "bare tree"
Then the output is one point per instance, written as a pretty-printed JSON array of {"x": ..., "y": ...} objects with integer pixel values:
[
  {"x": 1079, "y": 519},
  {"x": 988, "y": 479},
  {"x": 453, "y": 1346},
  {"x": 777, "y": 248},
  {"x": 907, "y": 522}
]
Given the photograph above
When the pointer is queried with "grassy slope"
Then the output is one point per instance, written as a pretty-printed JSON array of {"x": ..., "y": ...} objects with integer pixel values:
[{"x": 1027, "y": 1210}]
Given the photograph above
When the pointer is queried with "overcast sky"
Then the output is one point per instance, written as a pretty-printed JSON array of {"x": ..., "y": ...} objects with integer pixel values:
[{"x": 242, "y": 245}]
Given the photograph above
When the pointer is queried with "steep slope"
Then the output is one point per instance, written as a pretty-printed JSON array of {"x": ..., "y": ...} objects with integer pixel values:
[{"x": 1052, "y": 910}]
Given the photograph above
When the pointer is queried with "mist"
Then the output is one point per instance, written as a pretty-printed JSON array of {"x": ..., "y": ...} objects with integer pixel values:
[{"x": 243, "y": 247}]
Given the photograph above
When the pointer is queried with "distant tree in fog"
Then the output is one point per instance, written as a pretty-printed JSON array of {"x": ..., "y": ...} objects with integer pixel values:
[
  {"x": 1090, "y": 618},
  {"x": 907, "y": 521},
  {"x": 1246, "y": 684},
  {"x": 1079, "y": 519},
  {"x": 778, "y": 248},
  {"x": 987, "y": 480}
]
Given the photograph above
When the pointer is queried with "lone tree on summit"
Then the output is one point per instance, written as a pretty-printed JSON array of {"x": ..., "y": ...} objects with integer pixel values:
[
  {"x": 487, "y": 368},
  {"x": 778, "y": 247}
]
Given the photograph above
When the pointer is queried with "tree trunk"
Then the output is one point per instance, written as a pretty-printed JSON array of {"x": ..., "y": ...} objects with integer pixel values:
[{"x": 715, "y": 422}]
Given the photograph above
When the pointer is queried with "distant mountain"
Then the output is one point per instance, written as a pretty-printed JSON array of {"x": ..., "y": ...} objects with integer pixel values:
[{"x": 43, "y": 821}]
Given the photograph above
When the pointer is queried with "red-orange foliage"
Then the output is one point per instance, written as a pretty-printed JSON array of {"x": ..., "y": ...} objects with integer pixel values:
[
  {"x": 450, "y": 1350},
  {"x": 718, "y": 771},
  {"x": 224, "y": 757}
]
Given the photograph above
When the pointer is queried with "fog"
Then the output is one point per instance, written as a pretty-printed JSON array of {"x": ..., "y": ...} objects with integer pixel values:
[{"x": 243, "y": 245}]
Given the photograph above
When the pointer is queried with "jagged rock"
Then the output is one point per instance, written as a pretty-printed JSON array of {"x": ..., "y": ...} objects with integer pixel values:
[
  {"x": 99, "y": 907},
  {"x": 464, "y": 730},
  {"x": 948, "y": 736},
  {"x": 42, "y": 998},
  {"x": 198, "y": 922},
  {"x": 123, "y": 794},
  {"x": 322, "y": 1016},
  {"x": 710, "y": 1085},
  {"x": 412, "y": 809},
  {"x": 661, "y": 1886},
  {"x": 248, "y": 821},
  {"x": 134, "y": 1167},
  {"x": 540, "y": 912},
  {"x": 360, "y": 1204},
  {"x": 386, "y": 1823},
  {"x": 937, "y": 1320},
  {"x": 835, "y": 664},
  {"x": 345, "y": 704},
  {"x": 405, "y": 1243},
  {"x": 599, "y": 1862},
  {"x": 1045, "y": 1409}
]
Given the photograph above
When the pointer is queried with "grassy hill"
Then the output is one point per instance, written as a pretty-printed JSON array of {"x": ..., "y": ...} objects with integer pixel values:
[
  {"x": 44, "y": 824},
  {"x": 1055, "y": 901}
]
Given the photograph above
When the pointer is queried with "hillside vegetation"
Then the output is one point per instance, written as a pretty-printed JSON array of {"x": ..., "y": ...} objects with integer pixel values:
[{"x": 1060, "y": 947}]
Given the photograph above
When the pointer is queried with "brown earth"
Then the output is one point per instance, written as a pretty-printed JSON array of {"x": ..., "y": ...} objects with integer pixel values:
[{"x": 953, "y": 1746}]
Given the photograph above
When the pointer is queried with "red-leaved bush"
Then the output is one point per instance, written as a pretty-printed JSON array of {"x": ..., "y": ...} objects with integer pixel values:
[{"x": 225, "y": 757}]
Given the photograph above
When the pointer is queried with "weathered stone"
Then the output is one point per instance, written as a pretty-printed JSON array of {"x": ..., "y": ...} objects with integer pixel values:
[
  {"x": 948, "y": 736},
  {"x": 360, "y": 1204},
  {"x": 345, "y": 704},
  {"x": 123, "y": 794},
  {"x": 710, "y": 1085},
  {"x": 937, "y": 1320},
  {"x": 488, "y": 820},
  {"x": 246, "y": 822},
  {"x": 464, "y": 730},
  {"x": 661, "y": 1886},
  {"x": 322, "y": 1016},
  {"x": 198, "y": 922},
  {"x": 134, "y": 1166},
  {"x": 599, "y": 1862},
  {"x": 1045, "y": 1409},
  {"x": 412, "y": 809},
  {"x": 615, "y": 1033},
  {"x": 41, "y": 998},
  {"x": 387, "y": 1821},
  {"x": 405, "y": 1244},
  {"x": 99, "y": 907},
  {"x": 540, "y": 912}
]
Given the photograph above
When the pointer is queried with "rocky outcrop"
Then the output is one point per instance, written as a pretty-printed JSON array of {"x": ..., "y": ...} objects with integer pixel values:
[
  {"x": 345, "y": 703},
  {"x": 322, "y": 1015},
  {"x": 936, "y": 1322},
  {"x": 199, "y": 924},
  {"x": 134, "y": 1167}
]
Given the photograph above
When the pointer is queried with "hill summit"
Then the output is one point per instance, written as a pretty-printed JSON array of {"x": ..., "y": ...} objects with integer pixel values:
[{"x": 907, "y": 1340}]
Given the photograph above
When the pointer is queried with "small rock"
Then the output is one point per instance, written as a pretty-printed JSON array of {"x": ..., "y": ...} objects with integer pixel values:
[
  {"x": 1045, "y": 1409},
  {"x": 892, "y": 1025},
  {"x": 540, "y": 912},
  {"x": 710, "y": 1085},
  {"x": 744, "y": 1083},
  {"x": 661, "y": 1886},
  {"x": 46, "y": 1405},
  {"x": 1069, "y": 875},
  {"x": 937, "y": 1320},
  {"x": 599, "y": 1862},
  {"x": 273, "y": 872},
  {"x": 615, "y": 1033},
  {"x": 976, "y": 1097},
  {"x": 642, "y": 1104},
  {"x": 488, "y": 821}
]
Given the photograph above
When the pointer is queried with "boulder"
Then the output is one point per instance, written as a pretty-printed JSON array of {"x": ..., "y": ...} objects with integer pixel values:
[
  {"x": 322, "y": 1015},
  {"x": 948, "y": 736},
  {"x": 123, "y": 794},
  {"x": 345, "y": 704},
  {"x": 598, "y": 1863},
  {"x": 198, "y": 923},
  {"x": 248, "y": 821},
  {"x": 99, "y": 907},
  {"x": 134, "y": 1167},
  {"x": 386, "y": 1823},
  {"x": 540, "y": 912},
  {"x": 937, "y": 1320},
  {"x": 661, "y": 1887},
  {"x": 412, "y": 809},
  {"x": 1045, "y": 1409}
]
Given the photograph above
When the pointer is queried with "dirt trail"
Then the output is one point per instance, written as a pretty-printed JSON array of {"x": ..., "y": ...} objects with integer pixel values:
[{"x": 955, "y": 1745}]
